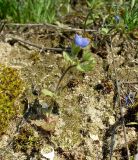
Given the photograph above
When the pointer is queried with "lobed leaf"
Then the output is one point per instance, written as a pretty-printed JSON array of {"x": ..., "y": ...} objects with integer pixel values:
[
  {"x": 87, "y": 56},
  {"x": 46, "y": 92},
  {"x": 86, "y": 66},
  {"x": 68, "y": 58}
]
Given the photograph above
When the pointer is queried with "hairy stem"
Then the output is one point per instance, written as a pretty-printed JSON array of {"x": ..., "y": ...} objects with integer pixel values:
[{"x": 63, "y": 75}]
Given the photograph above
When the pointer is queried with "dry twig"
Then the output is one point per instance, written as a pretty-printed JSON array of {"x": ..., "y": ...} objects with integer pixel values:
[{"x": 37, "y": 46}]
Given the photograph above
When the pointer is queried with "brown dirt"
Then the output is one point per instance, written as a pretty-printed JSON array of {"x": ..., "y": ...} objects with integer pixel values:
[{"x": 88, "y": 117}]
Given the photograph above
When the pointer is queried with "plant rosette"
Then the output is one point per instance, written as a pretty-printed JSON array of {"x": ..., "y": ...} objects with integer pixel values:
[{"x": 48, "y": 152}]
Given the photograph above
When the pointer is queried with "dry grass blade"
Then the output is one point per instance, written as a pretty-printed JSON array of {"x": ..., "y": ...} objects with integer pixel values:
[{"x": 50, "y": 26}]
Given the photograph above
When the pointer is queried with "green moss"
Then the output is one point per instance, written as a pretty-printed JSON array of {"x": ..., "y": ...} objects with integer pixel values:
[
  {"x": 26, "y": 141},
  {"x": 11, "y": 87}
]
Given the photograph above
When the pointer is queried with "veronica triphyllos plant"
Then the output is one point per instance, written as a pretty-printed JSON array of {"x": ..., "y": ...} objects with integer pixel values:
[{"x": 83, "y": 62}]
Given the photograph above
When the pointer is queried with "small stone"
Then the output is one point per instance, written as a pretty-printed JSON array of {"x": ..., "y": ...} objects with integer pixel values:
[
  {"x": 48, "y": 152},
  {"x": 4, "y": 140},
  {"x": 111, "y": 120},
  {"x": 94, "y": 137},
  {"x": 136, "y": 157}
]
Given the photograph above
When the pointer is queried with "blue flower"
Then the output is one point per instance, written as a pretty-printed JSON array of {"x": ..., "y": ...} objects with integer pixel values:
[
  {"x": 117, "y": 18},
  {"x": 129, "y": 99},
  {"x": 80, "y": 41}
]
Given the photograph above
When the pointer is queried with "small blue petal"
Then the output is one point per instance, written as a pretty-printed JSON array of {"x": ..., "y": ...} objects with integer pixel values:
[
  {"x": 117, "y": 18},
  {"x": 129, "y": 99},
  {"x": 80, "y": 41}
]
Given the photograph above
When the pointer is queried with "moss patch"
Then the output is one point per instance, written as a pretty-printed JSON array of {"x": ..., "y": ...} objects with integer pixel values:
[
  {"x": 26, "y": 141},
  {"x": 11, "y": 87}
]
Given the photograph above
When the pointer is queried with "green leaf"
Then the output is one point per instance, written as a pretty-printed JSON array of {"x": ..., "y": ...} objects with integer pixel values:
[
  {"x": 68, "y": 58},
  {"x": 64, "y": 10},
  {"x": 87, "y": 56},
  {"x": 80, "y": 68},
  {"x": 46, "y": 92},
  {"x": 132, "y": 123},
  {"x": 86, "y": 66},
  {"x": 132, "y": 4},
  {"x": 104, "y": 30},
  {"x": 89, "y": 22}
]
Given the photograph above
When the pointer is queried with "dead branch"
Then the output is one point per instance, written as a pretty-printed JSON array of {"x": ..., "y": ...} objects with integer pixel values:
[{"x": 37, "y": 46}]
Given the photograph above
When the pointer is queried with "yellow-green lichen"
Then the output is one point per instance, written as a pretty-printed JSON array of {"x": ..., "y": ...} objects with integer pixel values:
[{"x": 11, "y": 87}]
